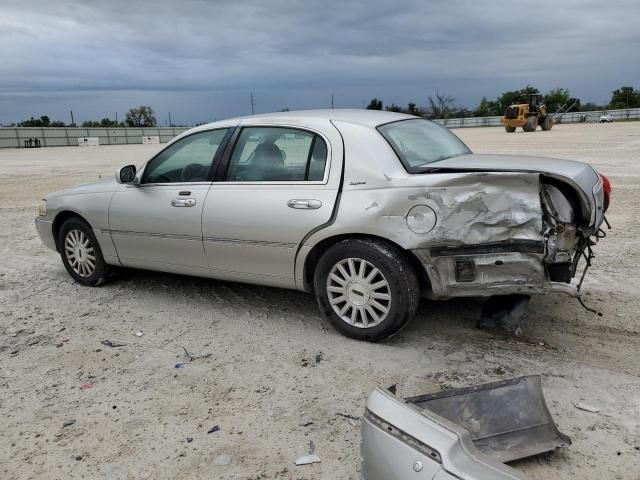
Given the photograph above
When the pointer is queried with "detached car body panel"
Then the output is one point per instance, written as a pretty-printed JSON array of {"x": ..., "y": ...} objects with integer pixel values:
[
  {"x": 261, "y": 199},
  {"x": 465, "y": 433}
]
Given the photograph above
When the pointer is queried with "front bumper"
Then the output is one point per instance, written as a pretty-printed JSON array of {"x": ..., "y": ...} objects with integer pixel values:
[{"x": 45, "y": 231}]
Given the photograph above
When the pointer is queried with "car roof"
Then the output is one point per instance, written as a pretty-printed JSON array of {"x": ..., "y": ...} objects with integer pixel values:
[{"x": 371, "y": 118}]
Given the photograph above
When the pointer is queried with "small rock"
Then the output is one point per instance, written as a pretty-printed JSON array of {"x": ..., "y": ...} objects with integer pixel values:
[
  {"x": 139, "y": 334},
  {"x": 68, "y": 423},
  {"x": 189, "y": 439},
  {"x": 222, "y": 460},
  {"x": 58, "y": 345},
  {"x": 78, "y": 457},
  {"x": 214, "y": 429}
]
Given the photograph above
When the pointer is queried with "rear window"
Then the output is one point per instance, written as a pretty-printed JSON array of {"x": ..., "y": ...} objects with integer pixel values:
[{"x": 419, "y": 142}]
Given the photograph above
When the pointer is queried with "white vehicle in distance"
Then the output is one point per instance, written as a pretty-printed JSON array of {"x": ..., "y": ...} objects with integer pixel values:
[
  {"x": 606, "y": 118},
  {"x": 366, "y": 210}
]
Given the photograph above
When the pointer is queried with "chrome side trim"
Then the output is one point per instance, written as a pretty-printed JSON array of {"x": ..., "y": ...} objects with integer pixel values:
[
  {"x": 256, "y": 243},
  {"x": 153, "y": 235}
]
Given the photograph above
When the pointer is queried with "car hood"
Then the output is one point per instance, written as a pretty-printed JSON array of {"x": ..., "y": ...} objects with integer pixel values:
[{"x": 99, "y": 186}]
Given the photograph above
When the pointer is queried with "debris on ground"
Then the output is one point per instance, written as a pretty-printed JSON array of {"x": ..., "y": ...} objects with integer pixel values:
[
  {"x": 346, "y": 415},
  {"x": 214, "y": 429},
  {"x": 309, "y": 458},
  {"x": 139, "y": 334},
  {"x": 68, "y": 423},
  {"x": 191, "y": 358},
  {"x": 222, "y": 460},
  {"x": 109, "y": 343},
  {"x": 319, "y": 357},
  {"x": 505, "y": 312},
  {"x": 86, "y": 385},
  {"x": 178, "y": 365},
  {"x": 585, "y": 407},
  {"x": 189, "y": 439}
]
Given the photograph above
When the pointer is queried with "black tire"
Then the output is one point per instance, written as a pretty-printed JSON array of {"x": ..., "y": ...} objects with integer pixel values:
[
  {"x": 402, "y": 286},
  {"x": 509, "y": 129},
  {"x": 546, "y": 123},
  {"x": 101, "y": 272},
  {"x": 531, "y": 125}
]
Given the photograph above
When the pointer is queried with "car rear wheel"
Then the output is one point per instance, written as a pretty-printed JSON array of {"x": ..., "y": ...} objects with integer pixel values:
[
  {"x": 366, "y": 288},
  {"x": 81, "y": 254}
]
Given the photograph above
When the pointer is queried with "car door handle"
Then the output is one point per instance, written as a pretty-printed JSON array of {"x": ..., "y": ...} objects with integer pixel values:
[
  {"x": 304, "y": 203},
  {"x": 183, "y": 202}
]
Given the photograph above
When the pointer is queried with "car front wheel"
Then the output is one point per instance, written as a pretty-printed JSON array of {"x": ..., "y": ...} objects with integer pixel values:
[
  {"x": 81, "y": 254},
  {"x": 366, "y": 288}
]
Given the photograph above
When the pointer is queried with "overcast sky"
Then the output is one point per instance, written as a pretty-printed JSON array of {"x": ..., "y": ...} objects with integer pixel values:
[{"x": 200, "y": 59}]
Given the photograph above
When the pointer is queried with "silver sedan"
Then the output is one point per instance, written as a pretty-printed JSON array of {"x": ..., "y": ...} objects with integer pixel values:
[{"x": 367, "y": 210}]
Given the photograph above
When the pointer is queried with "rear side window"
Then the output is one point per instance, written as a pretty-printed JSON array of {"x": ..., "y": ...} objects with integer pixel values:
[
  {"x": 418, "y": 143},
  {"x": 271, "y": 154}
]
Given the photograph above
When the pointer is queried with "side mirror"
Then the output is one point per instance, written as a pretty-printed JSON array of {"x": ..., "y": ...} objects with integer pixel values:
[{"x": 126, "y": 174}]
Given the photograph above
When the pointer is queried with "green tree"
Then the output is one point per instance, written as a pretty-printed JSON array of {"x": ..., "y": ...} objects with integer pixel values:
[
  {"x": 393, "y": 108},
  {"x": 375, "y": 104},
  {"x": 412, "y": 109},
  {"x": 486, "y": 108},
  {"x": 625, "y": 97},
  {"x": 557, "y": 97},
  {"x": 43, "y": 121},
  {"x": 141, "y": 117}
]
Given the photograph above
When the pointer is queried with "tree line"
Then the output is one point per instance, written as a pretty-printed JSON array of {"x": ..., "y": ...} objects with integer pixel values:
[
  {"x": 442, "y": 105},
  {"x": 142, "y": 116}
]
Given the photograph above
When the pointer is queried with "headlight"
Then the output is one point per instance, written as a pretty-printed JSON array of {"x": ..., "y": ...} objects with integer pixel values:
[{"x": 42, "y": 208}]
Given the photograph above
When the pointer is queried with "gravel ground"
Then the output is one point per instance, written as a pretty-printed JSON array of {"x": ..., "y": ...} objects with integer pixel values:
[{"x": 271, "y": 375}]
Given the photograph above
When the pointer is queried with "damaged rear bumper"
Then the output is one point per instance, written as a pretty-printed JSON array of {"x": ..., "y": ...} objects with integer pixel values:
[
  {"x": 459, "y": 434},
  {"x": 490, "y": 269}
]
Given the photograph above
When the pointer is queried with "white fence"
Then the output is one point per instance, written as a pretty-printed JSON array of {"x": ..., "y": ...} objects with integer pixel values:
[
  {"x": 18, "y": 137},
  {"x": 571, "y": 117}
]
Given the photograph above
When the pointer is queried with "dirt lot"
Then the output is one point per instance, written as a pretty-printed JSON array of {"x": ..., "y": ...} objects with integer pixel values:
[{"x": 261, "y": 383}]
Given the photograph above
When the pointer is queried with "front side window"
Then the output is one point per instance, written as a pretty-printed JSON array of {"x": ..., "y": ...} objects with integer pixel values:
[
  {"x": 187, "y": 160},
  {"x": 418, "y": 143},
  {"x": 272, "y": 154}
]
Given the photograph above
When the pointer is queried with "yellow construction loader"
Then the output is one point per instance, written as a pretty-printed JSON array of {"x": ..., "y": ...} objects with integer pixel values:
[{"x": 528, "y": 114}]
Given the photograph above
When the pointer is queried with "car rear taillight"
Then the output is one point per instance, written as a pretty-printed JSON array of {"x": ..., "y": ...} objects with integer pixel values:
[{"x": 606, "y": 187}]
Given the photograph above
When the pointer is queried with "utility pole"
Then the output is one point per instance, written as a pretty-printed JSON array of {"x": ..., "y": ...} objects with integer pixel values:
[
  {"x": 253, "y": 104},
  {"x": 170, "y": 124},
  {"x": 72, "y": 122},
  {"x": 332, "y": 105},
  {"x": 116, "y": 118}
]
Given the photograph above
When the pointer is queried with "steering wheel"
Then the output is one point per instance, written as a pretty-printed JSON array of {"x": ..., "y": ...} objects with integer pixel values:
[{"x": 194, "y": 172}]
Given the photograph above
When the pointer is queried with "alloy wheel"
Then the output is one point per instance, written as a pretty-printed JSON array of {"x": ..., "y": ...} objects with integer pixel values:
[
  {"x": 80, "y": 253},
  {"x": 358, "y": 293}
]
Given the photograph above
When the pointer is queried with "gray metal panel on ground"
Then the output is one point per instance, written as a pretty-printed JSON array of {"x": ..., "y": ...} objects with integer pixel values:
[{"x": 507, "y": 420}]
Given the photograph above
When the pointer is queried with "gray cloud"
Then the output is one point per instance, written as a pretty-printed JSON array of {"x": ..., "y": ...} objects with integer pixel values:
[{"x": 200, "y": 59}]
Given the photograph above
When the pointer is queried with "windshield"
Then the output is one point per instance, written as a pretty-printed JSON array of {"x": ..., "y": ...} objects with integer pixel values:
[{"x": 421, "y": 142}]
